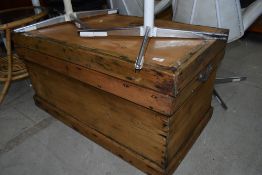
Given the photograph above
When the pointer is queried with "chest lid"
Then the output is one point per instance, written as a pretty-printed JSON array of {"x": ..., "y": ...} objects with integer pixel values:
[{"x": 169, "y": 64}]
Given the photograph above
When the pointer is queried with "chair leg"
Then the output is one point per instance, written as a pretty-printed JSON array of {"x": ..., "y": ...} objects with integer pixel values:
[
  {"x": 219, "y": 99},
  {"x": 10, "y": 60},
  {"x": 229, "y": 80},
  {"x": 4, "y": 91},
  {"x": 222, "y": 81}
]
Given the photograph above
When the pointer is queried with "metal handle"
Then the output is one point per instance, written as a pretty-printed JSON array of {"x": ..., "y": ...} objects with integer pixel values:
[{"x": 203, "y": 76}]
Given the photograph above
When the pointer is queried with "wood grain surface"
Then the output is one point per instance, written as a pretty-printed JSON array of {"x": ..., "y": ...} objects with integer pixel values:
[
  {"x": 150, "y": 118},
  {"x": 115, "y": 56}
]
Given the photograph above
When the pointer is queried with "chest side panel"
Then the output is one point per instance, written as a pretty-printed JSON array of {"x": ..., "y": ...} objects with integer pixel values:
[{"x": 122, "y": 121}]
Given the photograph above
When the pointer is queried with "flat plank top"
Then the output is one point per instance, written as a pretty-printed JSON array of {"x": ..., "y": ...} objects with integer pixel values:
[
  {"x": 163, "y": 52},
  {"x": 167, "y": 60}
]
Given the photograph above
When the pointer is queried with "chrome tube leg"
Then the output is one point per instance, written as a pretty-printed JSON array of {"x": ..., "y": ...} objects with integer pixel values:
[
  {"x": 229, "y": 80},
  {"x": 219, "y": 99},
  {"x": 140, "y": 59}
]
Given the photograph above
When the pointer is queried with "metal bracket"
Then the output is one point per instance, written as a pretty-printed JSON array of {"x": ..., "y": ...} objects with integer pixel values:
[
  {"x": 203, "y": 76},
  {"x": 74, "y": 17}
]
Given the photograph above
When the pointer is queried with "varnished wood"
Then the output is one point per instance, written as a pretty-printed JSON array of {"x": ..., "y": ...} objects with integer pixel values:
[
  {"x": 8, "y": 77},
  {"x": 173, "y": 164},
  {"x": 164, "y": 104},
  {"x": 155, "y": 129},
  {"x": 109, "y": 144},
  {"x": 12, "y": 68},
  {"x": 119, "y": 54},
  {"x": 18, "y": 68},
  {"x": 119, "y": 150},
  {"x": 150, "y": 118},
  {"x": 188, "y": 117},
  {"x": 145, "y": 97},
  {"x": 120, "y": 120}
]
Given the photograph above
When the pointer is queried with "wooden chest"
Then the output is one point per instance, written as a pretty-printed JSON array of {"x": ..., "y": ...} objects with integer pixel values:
[{"x": 149, "y": 118}]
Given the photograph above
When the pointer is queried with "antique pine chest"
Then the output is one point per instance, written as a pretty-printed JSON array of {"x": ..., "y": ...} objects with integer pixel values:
[{"x": 149, "y": 118}]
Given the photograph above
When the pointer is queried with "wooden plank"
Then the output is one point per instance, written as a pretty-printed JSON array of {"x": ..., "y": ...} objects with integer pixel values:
[
  {"x": 150, "y": 118},
  {"x": 186, "y": 119},
  {"x": 142, "y": 96},
  {"x": 192, "y": 65},
  {"x": 123, "y": 121},
  {"x": 114, "y": 54},
  {"x": 153, "y": 100},
  {"x": 175, "y": 122},
  {"x": 120, "y": 150},
  {"x": 194, "y": 84},
  {"x": 111, "y": 145},
  {"x": 173, "y": 164},
  {"x": 113, "y": 64}
]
